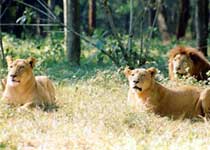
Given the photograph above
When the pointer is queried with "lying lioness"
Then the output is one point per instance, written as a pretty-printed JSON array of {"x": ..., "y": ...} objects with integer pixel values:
[
  {"x": 23, "y": 88},
  {"x": 184, "y": 101}
]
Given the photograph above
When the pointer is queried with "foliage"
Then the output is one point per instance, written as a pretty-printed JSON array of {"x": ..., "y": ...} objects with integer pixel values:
[
  {"x": 47, "y": 51},
  {"x": 50, "y": 55},
  {"x": 120, "y": 48}
]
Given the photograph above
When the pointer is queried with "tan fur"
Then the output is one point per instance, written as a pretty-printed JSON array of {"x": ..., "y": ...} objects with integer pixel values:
[
  {"x": 22, "y": 87},
  {"x": 3, "y": 84},
  {"x": 184, "y": 101},
  {"x": 195, "y": 64}
]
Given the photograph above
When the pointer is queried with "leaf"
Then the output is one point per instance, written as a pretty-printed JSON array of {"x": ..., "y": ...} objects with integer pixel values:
[
  {"x": 21, "y": 20},
  {"x": 99, "y": 44}
]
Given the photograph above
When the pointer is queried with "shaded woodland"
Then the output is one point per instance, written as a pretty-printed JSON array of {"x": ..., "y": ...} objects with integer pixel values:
[{"x": 111, "y": 27}]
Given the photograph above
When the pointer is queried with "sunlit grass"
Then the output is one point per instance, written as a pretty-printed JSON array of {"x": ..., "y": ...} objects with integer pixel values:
[{"x": 92, "y": 114}]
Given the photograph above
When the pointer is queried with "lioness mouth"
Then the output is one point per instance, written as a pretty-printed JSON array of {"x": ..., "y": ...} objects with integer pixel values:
[
  {"x": 13, "y": 80},
  {"x": 138, "y": 88}
]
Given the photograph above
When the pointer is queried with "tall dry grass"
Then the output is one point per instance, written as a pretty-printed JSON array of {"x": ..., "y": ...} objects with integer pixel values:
[{"x": 92, "y": 114}]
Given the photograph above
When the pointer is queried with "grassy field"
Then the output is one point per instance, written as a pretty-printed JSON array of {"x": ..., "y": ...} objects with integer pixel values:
[{"x": 92, "y": 114}]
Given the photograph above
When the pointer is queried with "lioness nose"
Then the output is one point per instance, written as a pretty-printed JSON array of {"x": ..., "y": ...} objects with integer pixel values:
[
  {"x": 136, "y": 81},
  {"x": 13, "y": 75}
]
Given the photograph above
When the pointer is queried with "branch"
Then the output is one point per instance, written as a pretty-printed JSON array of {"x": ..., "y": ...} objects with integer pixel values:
[
  {"x": 69, "y": 28},
  {"x": 2, "y": 13},
  {"x": 37, "y": 9},
  {"x": 130, "y": 28},
  {"x": 114, "y": 31},
  {"x": 141, "y": 39},
  {"x": 153, "y": 25},
  {"x": 44, "y": 4},
  {"x": 31, "y": 24}
]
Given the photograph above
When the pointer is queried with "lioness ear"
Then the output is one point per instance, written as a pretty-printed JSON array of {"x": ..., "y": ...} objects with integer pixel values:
[
  {"x": 127, "y": 71},
  {"x": 31, "y": 61},
  {"x": 152, "y": 71},
  {"x": 9, "y": 60}
]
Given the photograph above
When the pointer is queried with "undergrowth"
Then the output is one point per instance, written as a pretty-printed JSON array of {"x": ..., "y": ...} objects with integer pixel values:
[{"x": 92, "y": 112}]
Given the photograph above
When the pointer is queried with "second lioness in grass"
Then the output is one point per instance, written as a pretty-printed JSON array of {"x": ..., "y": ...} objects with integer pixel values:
[{"x": 184, "y": 101}]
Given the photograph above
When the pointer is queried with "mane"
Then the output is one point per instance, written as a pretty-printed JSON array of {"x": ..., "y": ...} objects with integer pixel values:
[{"x": 187, "y": 51}]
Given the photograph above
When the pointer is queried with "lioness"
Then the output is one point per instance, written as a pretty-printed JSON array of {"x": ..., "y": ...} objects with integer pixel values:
[
  {"x": 23, "y": 88},
  {"x": 184, "y": 101}
]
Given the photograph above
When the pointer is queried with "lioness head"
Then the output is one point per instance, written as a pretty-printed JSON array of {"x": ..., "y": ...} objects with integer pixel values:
[
  {"x": 19, "y": 70},
  {"x": 182, "y": 64},
  {"x": 140, "y": 79}
]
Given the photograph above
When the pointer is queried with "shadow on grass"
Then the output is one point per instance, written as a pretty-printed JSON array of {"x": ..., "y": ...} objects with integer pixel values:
[
  {"x": 2, "y": 146},
  {"x": 63, "y": 71},
  {"x": 49, "y": 108}
]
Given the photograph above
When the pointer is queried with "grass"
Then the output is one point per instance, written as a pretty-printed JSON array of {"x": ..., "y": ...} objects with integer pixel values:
[{"x": 92, "y": 114}]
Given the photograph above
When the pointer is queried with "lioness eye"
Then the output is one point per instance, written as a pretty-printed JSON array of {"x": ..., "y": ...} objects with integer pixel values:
[
  {"x": 132, "y": 74},
  {"x": 11, "y": 66}
]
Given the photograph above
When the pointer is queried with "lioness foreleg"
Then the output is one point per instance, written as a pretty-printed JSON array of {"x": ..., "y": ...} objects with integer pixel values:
[{"x": 3, "y": 84}]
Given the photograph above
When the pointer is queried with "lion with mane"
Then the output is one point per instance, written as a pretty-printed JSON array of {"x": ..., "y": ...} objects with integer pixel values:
[
  {"x": 22, "y": 88},
  {"x": 187, "y": 61},
  {"x": 145, "y": 92}
]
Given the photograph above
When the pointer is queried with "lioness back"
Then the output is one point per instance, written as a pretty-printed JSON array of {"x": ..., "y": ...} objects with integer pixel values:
[
  {"x": 46, "y": 89},
  {"x": 182, "y": 100}
]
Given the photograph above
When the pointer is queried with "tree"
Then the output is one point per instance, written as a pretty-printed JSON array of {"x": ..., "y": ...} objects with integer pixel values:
[
  {"x": 1, "y": 43},
  {"x": 72, "y": 25},
  {"x": 201, "y": 23},
  {"x": 162, "y": 24},
  {"x": 184, "y": 15},
  {"x": 152, "y": 12},
  {"x": 91, "y": 16}
]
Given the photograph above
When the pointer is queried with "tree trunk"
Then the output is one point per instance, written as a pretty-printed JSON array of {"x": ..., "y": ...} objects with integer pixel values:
[
  {"x": 126, "y": 23},
  {"x": 152, "y": 12},
  {"x": 163, "y": 25},
  {"x": 51, "y": 6},
  {"x": 38, "y": 28},
  {"x": 201, "y": 23},
  {"x": 19, "y": 12},
  {"x": 184, "y": 15},
  {"x": 72, "y": 23},
  {"x": 1, "y": 43},
  {"x": 91, "y": 16}
]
